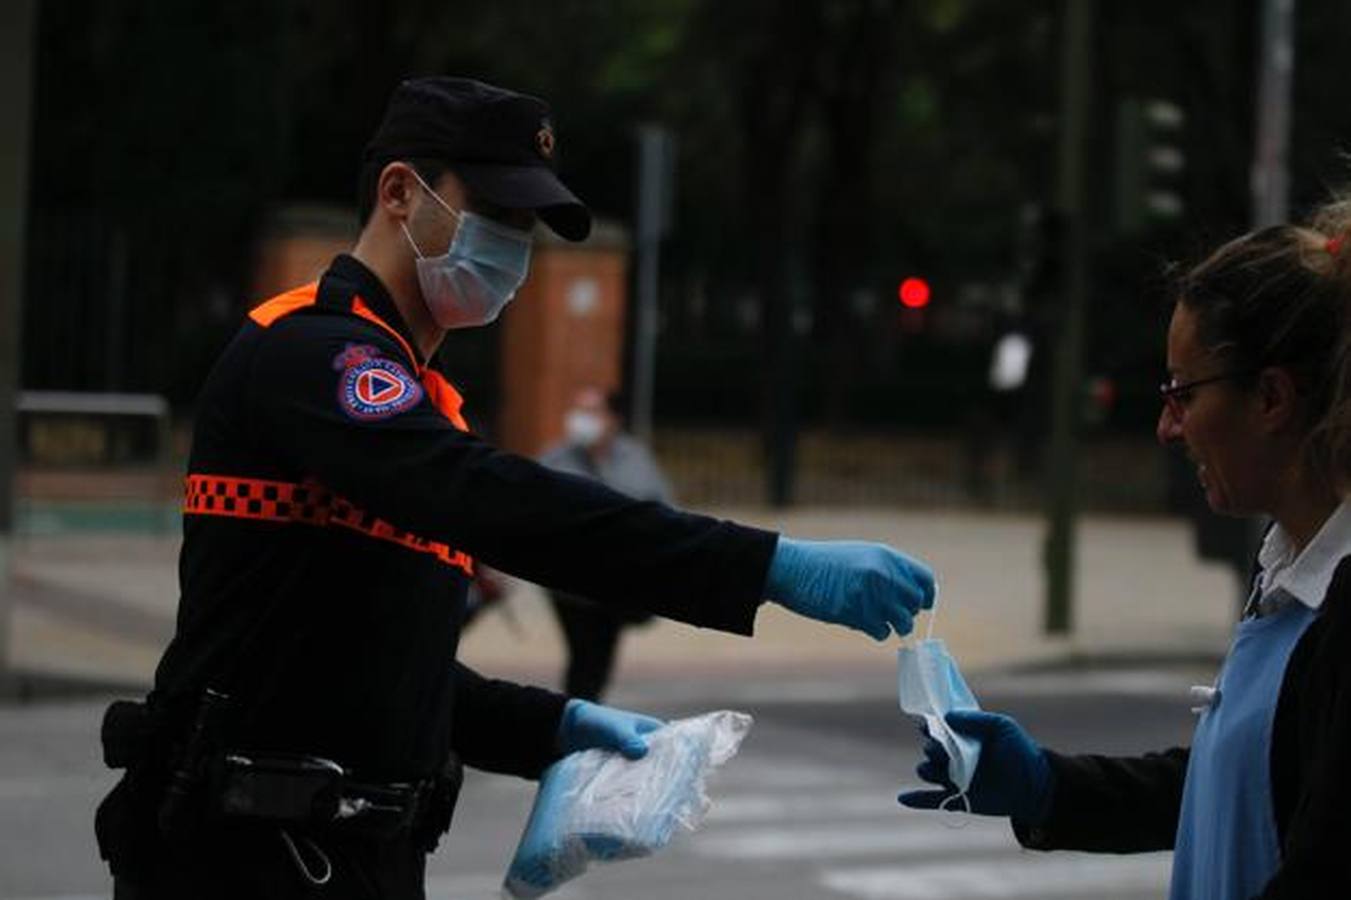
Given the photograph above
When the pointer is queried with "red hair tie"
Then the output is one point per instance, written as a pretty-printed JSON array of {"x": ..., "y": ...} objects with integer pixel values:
[{"x": 1334, "y": 245}]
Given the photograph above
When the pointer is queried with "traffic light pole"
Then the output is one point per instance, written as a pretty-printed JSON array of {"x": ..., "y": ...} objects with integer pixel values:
[
  {"x": 1276, "y": 52},
  {"x": 1063, "y": 497},
  {"x": 1271, "y": 171},
  {"x": 656, "y": 168}
]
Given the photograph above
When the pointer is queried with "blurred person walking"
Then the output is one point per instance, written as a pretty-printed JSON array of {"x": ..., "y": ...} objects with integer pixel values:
[
  {"x": 595, "y": 445},
  {"x": 1259, "y": 398},
  {"x": 308, "y": 721}
]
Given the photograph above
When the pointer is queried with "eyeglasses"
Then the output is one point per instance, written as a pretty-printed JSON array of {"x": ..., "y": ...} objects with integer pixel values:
[{"x": 1178, "y": 394}]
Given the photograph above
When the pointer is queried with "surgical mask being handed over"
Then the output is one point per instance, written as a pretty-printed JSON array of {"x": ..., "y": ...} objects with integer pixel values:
[
  {"x": 930, "y": 686},
  {"x": 478, "y": 275}
]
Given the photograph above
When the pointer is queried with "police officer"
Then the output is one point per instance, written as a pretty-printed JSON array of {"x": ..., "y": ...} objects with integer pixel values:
[{"x": 308, "y": 719}]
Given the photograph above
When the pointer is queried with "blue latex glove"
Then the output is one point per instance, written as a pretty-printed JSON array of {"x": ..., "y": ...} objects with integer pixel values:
[
  {"x": 1013, "y": 777},
  {"x": 534, "y": 868},
  {"x": 866, "y": 586},
  {"x": 587, "y": 726}
]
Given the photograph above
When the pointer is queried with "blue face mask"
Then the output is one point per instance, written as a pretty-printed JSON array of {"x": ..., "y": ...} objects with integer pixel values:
[
  {"x": 930, "y": 686},
  {"x": 478, "y": 275}
]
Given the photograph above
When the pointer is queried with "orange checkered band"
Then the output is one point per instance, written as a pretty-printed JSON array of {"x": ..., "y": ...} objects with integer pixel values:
[{"x": 308, "y": 503}]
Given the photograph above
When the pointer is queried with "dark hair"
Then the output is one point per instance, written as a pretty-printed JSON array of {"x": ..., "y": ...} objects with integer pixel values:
[
  {"x": 1280, "y": 296},
  {"x": 369, "y": 180}
]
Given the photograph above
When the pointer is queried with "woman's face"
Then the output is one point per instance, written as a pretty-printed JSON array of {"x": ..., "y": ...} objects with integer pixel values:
[{"x": 1216, "y": 423}]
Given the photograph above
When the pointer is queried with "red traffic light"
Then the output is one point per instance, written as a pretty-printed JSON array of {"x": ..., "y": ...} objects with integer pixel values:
[{"x": 914, "y": 293}]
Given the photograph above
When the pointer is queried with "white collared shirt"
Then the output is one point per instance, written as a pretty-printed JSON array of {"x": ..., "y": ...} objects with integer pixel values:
[{"x": 1304, "y": 577}]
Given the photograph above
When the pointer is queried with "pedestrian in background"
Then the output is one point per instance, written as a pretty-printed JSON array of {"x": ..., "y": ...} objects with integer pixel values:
[
  {"x": 1260, "y": 804},
  {"x": 595, "y": 445}
]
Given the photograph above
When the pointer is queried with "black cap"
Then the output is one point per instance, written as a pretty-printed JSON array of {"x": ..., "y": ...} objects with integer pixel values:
[{"x": 500, "y": 143}]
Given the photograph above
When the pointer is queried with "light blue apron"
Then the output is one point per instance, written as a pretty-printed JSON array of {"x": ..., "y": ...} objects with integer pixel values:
[{"x": 1226, "y": 836}]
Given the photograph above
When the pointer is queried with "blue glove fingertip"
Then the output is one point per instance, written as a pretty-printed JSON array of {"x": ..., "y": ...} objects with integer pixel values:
[
  {"x": 921, "y": 799},
  {"x": 647, "y": 725}
]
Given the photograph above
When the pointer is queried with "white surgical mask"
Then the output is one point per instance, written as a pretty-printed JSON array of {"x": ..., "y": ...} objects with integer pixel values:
[
  {"x": 583, "y": 428},
  {"x": 930, "y": 686},
  {"x": 474, "y": 280}
]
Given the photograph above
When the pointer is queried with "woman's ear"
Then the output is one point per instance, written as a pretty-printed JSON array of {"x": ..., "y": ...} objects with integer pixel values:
[{"x": 1280, "y": 402}]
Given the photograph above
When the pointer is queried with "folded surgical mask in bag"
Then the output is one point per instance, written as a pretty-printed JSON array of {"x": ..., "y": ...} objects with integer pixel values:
[
  {"x": 597, "y": 805},
  {"x": 930, "y": 685}
]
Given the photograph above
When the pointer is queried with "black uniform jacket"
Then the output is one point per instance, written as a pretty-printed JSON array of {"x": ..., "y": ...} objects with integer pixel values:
[
  {"x": 1119, "y": 805},
  {"x": 334, "y": 503}
]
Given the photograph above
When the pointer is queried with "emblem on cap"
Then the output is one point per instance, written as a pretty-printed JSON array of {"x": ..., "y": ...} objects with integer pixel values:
[{"x": 544, "y": 140}]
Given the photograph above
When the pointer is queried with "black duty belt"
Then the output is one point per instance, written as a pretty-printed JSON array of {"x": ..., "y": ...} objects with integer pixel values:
[
  {"x": 205, "y": 780},
  {"x": 310, "y": 790}
]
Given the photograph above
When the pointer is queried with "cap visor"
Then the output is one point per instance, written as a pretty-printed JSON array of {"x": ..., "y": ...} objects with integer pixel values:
[{"x": 530, "y": 187}]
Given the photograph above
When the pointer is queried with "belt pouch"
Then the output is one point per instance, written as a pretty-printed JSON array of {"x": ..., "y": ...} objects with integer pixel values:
[
  {"x": 285, "y": 789},
  {"x": 127, "y": 734}
]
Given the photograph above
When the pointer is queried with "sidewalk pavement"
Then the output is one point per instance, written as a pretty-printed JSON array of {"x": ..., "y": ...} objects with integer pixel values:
[{"x": 99, "y": 609}]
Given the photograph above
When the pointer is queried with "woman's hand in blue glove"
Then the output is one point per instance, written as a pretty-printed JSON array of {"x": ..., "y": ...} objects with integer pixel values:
[
  {"x": 590, "y": 726},
  {"x": 866, "y": 586},
  {"x": 1013, "y": 777}
]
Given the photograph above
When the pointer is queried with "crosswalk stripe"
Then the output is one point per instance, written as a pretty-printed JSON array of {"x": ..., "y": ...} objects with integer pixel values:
[
  {"x": 41, "y": 787},
  {"x": 485, "y": 886},
  {"x": 845, "y": 840},
  {"x": 766, "y": 772},
  {"x": 1063, "y": 875},
  {"x": 778, "y": 807}
]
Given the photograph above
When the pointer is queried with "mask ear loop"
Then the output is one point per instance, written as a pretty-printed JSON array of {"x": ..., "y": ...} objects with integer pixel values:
[
  {"x": 955, "y": 819},
  {"x": 933, "y": 617},
  {"x": 435, "y": 196},
  {"x": 413, "y": 243}
]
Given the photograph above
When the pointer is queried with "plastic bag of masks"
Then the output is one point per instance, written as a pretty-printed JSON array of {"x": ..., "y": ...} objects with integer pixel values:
[{"x": 597, "y": 805}]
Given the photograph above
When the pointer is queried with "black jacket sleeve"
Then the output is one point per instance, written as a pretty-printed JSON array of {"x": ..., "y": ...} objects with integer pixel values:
[
  {"x": 502, "y": 727},
  {"x": 1315, "y": 862},
  {"x": 1111, "y": 804},
  {"x": 417, "y": 471}
]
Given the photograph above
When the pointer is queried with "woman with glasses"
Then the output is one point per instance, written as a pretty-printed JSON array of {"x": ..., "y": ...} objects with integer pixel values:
[{"x": 1260, "y": 804}]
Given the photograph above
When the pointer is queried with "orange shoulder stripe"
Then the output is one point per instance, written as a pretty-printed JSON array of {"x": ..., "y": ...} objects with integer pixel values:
[
  {"x": 443, "y": 396},
  {"x": 284, "y": 304},
  {"x": 360, "y": 308}
]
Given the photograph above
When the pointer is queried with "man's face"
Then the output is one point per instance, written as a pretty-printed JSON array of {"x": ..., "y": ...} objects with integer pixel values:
[{"x": 433, "y": 225}]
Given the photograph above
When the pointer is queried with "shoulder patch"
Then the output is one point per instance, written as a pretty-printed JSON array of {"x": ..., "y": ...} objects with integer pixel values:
[{"x": 372, "y": 387}]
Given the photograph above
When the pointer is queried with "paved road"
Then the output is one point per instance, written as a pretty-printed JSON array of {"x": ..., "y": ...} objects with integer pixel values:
[{"x": 807, "y": 810}]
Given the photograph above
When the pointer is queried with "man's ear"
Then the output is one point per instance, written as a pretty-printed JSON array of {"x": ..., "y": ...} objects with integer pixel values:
[
  {"x": 394, "y": 190},
  {"x": 1279, "y": 398}
]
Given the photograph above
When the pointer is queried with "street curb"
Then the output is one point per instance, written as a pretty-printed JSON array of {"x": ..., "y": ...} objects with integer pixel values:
[
  {"x": 1108, "y": 660},
  {"x": 23, "y": 687}
]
